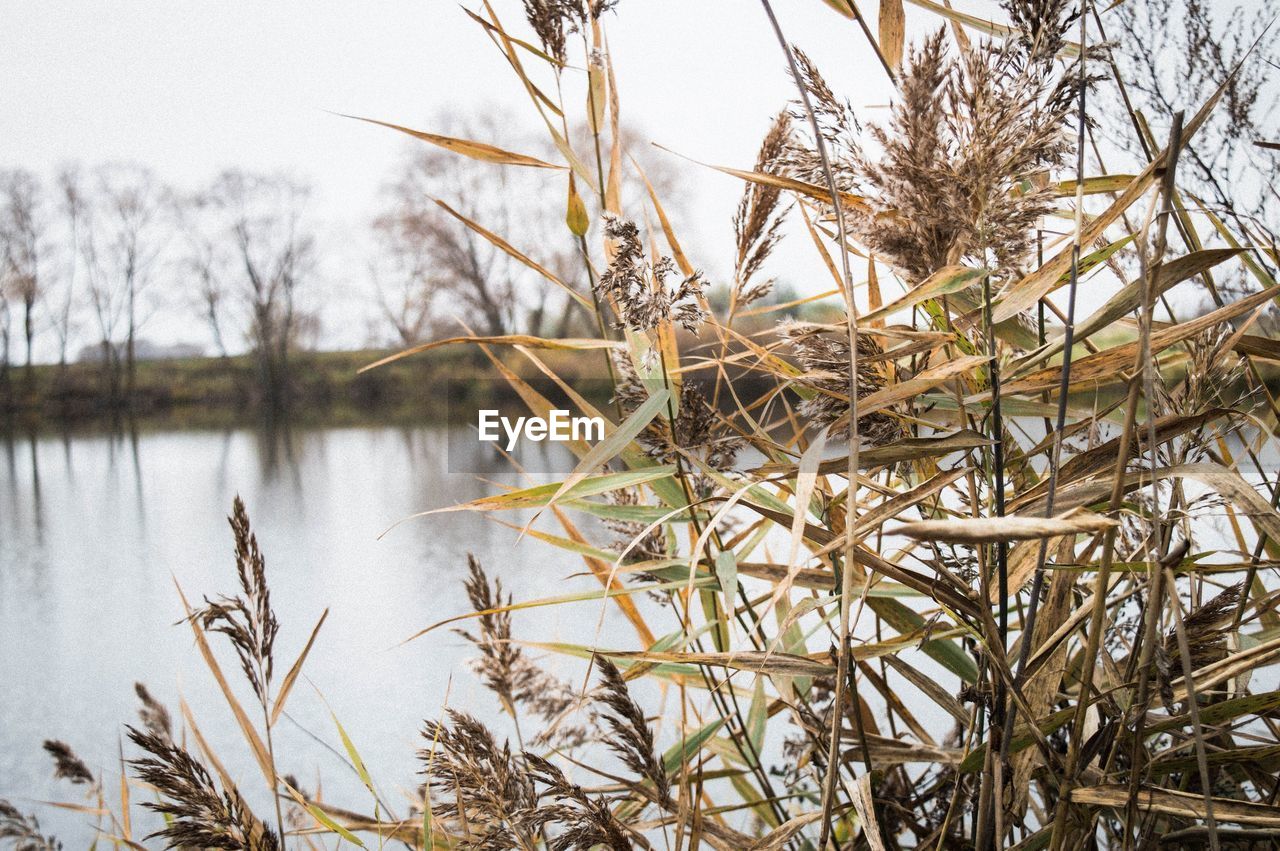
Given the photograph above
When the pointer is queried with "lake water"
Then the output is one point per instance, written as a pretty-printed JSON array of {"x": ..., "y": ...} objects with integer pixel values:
[{"x": 96, "y": 528}]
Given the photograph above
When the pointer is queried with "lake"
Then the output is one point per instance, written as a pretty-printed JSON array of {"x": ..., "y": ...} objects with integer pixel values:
[{"x": 95, "y": 529}]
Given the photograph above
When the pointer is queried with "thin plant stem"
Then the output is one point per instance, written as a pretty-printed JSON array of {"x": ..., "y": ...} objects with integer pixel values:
[
  {"x": 1064, "y": 389},
  {"x": 851, "y": 503}
]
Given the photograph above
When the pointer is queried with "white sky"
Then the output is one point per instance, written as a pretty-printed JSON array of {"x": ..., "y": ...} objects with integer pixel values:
[{"x": 189, "y": 88}]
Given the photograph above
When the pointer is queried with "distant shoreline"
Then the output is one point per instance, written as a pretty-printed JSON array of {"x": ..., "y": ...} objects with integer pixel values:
[
  {"x": 327, "y": 389},
  {"x": 326, "y": 386}
]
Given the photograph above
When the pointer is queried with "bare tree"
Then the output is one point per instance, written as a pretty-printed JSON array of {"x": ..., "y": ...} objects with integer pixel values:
[
  {"x": 6, "y": 333},
  {"x": 403, "y": 281},
  {"x": 437, "y": 255},
  {"x": 427, "y": 255},
  {"x": 206, "y": 261},
  {"x": 22, "y": 233},
  {"x": 274, "y": 254},
  {"x": 480, "y": 279},
  {"x": 123, "y": 235},
  {"x": 60, "y": 301}
]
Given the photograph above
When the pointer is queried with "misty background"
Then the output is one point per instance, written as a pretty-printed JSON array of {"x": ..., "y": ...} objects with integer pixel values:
[
  {"x": 217, "y": 106},
  {"x": 190, "y": 90}
]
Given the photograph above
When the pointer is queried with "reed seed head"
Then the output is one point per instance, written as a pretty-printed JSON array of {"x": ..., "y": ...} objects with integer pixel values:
[
  {"x": 631, "y": 738},
  {"x": 246, "y": 619},
  {"x": 22, "y": 832},
  {"x": 640, "y": 290},
  {"x": 823, "y": 353},
  {"x": 66, "y": 764},
  {"x": 153, "y": 714},
  {"x": 199, "y": 814}
]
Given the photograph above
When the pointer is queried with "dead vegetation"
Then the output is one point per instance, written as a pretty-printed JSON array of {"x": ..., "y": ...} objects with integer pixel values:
[{"x": 999, "y": 575}]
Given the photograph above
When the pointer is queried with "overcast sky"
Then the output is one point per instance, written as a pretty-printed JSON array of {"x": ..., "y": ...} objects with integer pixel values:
[{"x": 189, "y": 88}]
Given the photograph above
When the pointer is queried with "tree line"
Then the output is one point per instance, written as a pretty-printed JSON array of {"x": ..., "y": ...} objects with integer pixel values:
[
  {"x": 90, "y": 255},
  {"x": 86, "y": 251}
]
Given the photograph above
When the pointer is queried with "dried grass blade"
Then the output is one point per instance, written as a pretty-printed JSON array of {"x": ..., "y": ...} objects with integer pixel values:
[
  {"x": 1230, "y": 485},
  {"x": 605, "y": 573},
  {"x": 611, "y": 446},
  {"x": 242, "y": 719},
  {"x": 947, "y": 280},
  {"x": 517, "y": 255},
  {"x": 1219, "y": 672},
  {"x": 322, "y": 818},
  {"x": 789, "y": 184},
  {"x": 903, "y": 390},
  {"x": 210, "y": 757},
  {"x": 892, "y": 31},
  {"x": 1108, "y": 363},
  {"x": 864, "y": 804},
  {"x": 677, "y": 253},
  {"x": 1174, "y": 803},
  {"x": 778, "y": 838},
  {"x": 563, "y": 344},
  {"x": 752, "y": 661},
  {"x": 540, "y": 495},
  {"x": 1012, "y": 527},
  {"x": 931, "y": 689},
  {"x": 286, "y": 686},
  {"x": 1128, "y": 298},
  {"x": 466, "y": 147}
]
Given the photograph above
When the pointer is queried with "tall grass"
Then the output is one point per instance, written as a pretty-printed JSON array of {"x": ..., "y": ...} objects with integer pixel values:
[{"x": 989, "y": 578}]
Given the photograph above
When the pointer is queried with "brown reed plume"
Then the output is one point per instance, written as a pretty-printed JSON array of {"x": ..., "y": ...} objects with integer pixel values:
[
  {"x": 153, "y": 714},
  {"x": 632, "y": 740},
  {"x": 837, "y": 125},
  {"x": 637, "y": 539},
  {"x": 948, "y": 179},
  {"x": 1203, "y": 628},
  {"x": 757, "y": 222},
  {"x": 198, "y": 814},
  {"x": 479, "y": 788},
  {"x": 499, "y": 657},
  {"x": 824, "y": 354},
  {"x": 505, "y": 669},
  {"x": 697, "y": 429},
  {"x": 1040, "y": 26},
  {"x": 21, "y": 832},
  {"x": 249, "y": 623},
  {"x": 246, "y": 619},
  {"x": 554, "y": 20},
  {"x": 581, "y": 822},
  {"x": 67, "y": 765},
  {"x": 640, "y": 290},
  {"x": 491, "y": 798}
]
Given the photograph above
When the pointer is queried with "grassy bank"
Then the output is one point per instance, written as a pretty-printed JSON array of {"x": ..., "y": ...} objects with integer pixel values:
[
  {"x": 329, "y": 388},
  {"x": 325, "y": 385}
]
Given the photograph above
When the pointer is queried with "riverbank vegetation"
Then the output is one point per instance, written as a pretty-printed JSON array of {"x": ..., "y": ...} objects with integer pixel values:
[
  {"x": 969, "y": 570},
  {"x": 324, "y": 386},
  {"x": 96, "y": 259}
]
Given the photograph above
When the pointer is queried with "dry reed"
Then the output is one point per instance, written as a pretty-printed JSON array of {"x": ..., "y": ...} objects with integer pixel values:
[{"x": 1038, "y": 610}]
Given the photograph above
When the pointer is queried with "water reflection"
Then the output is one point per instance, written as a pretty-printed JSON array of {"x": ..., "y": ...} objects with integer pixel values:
[{"x": 97, "y": 528}]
